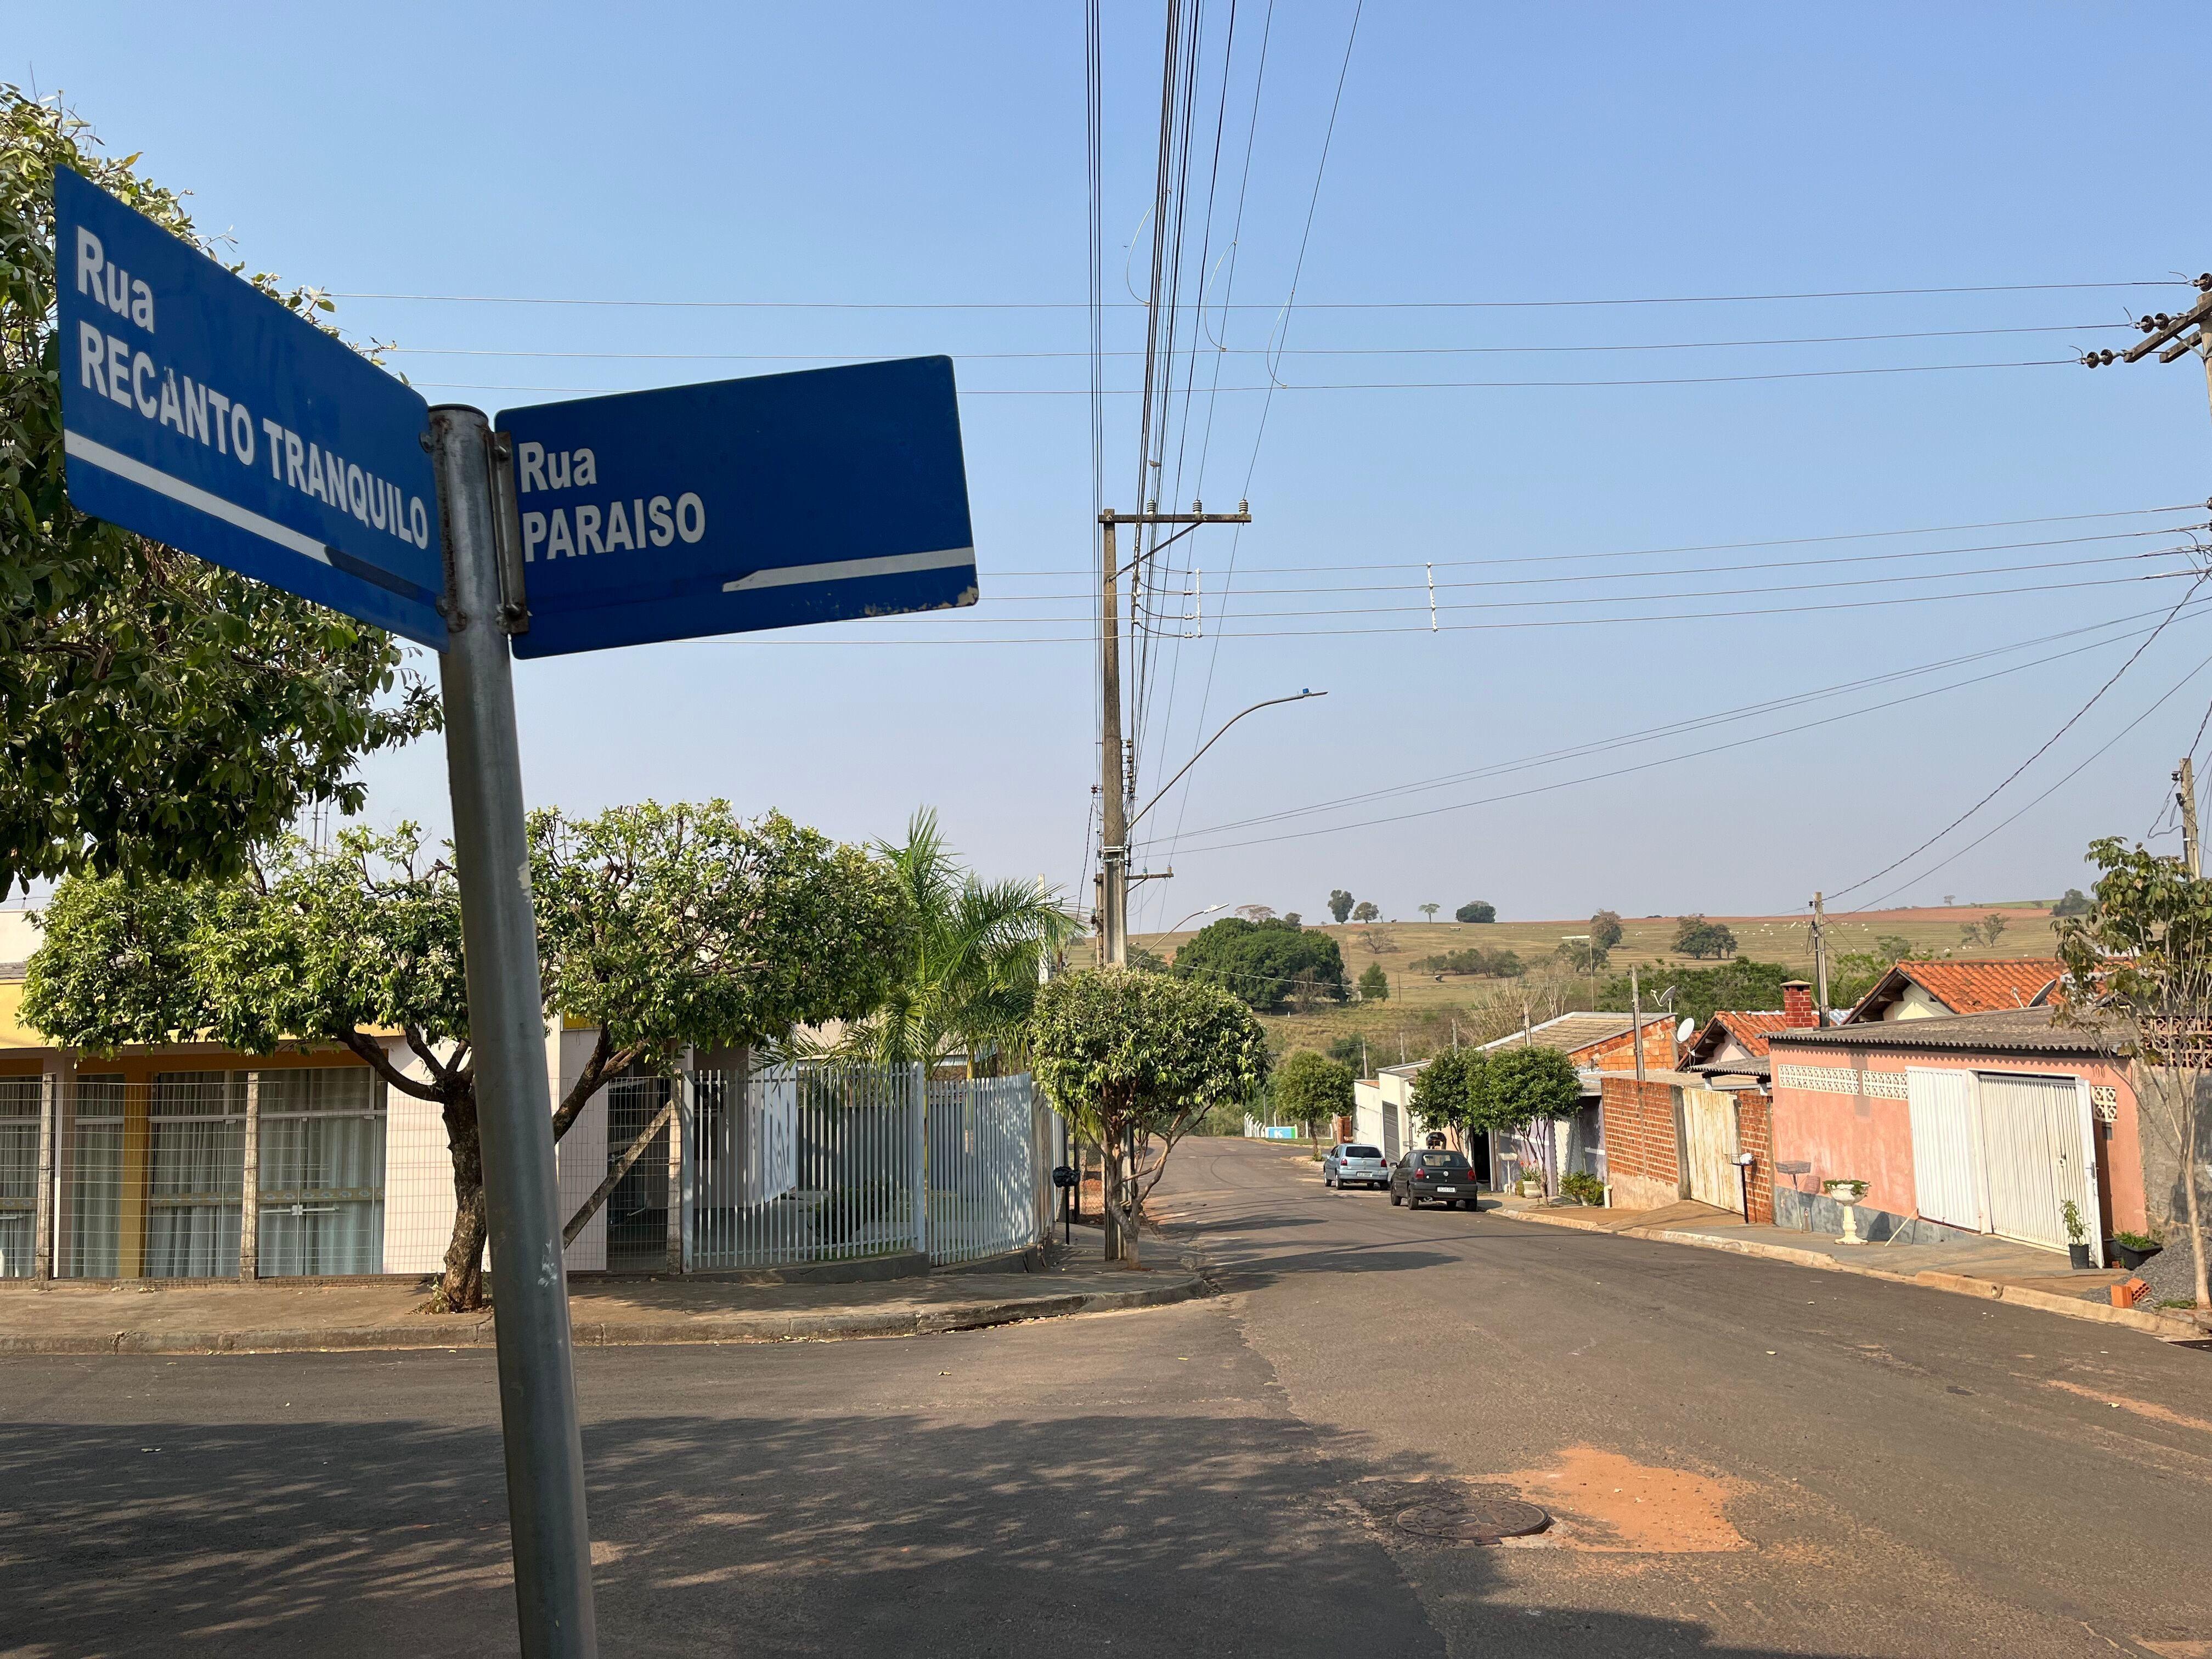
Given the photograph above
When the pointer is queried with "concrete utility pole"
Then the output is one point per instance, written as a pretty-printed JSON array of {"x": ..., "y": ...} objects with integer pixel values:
[
  {"x": 1116, "y": 771},
  {"x": 1819, "y": 961},
  {"x": 2185, "y": 791},
  {"x": 1636, "y": 1014}
]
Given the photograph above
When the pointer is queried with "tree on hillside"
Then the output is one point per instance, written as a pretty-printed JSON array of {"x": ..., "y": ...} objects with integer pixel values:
[
  {"x": 1264, "y": 963},
  {"x": 1366, "y": 910},
  {"x": 1339, "y": 905},
  {"x": 667, "y": 928},
  {"x": 1255, "y": 912},
  {"x": 2075, "y": 903},
  {"x": 1310, "y": 1088},
  {"x": 1140, "y": 1059},
  {"x": 2139, "y": 967},
  {"x": 1898, "y": 948},
  {"x": 1697, "y": 993},
  {"x": 1695, "y": 937},
  {"x": 966, "y": 973},
  {"x": 158, "y": 715},
  {"x": 1605, "y": 930},
  {"x": 1375, "y": 985},
  {"x": 1476, "y": 910},
  {"x": 1430, "y": 909},
  {"x": 1581, "y": 957},
  {"x": 1474, "y": 959}
]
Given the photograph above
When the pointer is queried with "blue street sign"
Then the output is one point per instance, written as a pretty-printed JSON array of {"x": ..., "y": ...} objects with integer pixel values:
[
  {"x": 741, "y": 505},
  {"x": 200, "y": 412}
]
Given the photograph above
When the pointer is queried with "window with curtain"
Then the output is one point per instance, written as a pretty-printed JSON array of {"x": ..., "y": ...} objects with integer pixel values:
[
  {"x": 89, "y": 1238},
  {"x": 19, "y": 1173},
  {"x": 194, "y": 1174},
  {"x": 322, "y": 1172}
]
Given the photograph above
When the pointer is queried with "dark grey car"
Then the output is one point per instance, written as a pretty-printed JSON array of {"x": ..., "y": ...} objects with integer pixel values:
[{"x": 1433, "y": 1177}]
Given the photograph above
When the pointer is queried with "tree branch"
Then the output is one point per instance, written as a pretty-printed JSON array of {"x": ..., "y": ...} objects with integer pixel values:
[{"x": 380, "y": 1061}]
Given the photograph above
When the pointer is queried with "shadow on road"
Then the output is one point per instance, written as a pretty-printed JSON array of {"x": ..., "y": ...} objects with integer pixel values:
[{"x": 885, "y": 1534}]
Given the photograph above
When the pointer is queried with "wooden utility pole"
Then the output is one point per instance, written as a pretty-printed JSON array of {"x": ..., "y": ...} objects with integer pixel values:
[
  {"x": 1819, "y": 961},
  {"x": 2185, "y": 791},
  {"x": 1117, "y": 783}
]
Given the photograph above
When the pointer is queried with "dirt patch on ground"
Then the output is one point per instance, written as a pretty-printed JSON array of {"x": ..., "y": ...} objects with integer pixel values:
[{"x": 1613, "y": 1504}]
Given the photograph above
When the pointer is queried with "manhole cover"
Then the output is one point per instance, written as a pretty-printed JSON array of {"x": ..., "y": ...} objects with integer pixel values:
[{"x": 1479, "y": 1518}]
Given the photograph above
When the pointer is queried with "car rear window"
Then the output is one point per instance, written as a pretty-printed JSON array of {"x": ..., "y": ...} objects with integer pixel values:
[
  {"x": 1441, "y": 1161},
  {"x": 1361, "y": 1152}
]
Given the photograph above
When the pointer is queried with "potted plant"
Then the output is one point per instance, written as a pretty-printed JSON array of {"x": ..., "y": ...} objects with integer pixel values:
[
  {"x": 2134, "y": 1248},
  {"x": 1847, "y": 1193},
  {"x": 1584, "y": 1189},
  {"x": 2077, "y": 1234}
]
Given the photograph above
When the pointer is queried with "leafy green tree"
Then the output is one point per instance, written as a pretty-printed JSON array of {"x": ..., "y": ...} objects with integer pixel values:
[
  {"x": 966, "y": 973},
  {"x": 1138, "y": 1057},
  {"x": 1476, "y": 910},
  {"x": 1449, "y": 1093},
  {"x": 1524, "y": 1087},
  {"x": 2075, "y": 903},
  {"x": 1898, "y": 948},
  {"x": 2139, "y": 966},
  {"x": 1581, "y": 956},
  {"x": 1310, "y": 1088},
  {"x": 1475, "y": 960},
  {"x": 158, "y": 715},
  {"x": 1339, "y": 905},
  {"x": 1264, "y": 963},
  {"x": 1605, "y": 930},
  {"x": 1430, "y": 910},
  {"x": 1142, "y": 960},
  {"x": 1696, "y": 937},
  {"x": 1350, "y": 1053},
  {"x": 667, "y": 928},
  {"x": 1366, "y": 910},
  {"x": 1699, "y": 992},
  {"x": 1375, "y": 985},
  {"x": 1853, "y": 974}
]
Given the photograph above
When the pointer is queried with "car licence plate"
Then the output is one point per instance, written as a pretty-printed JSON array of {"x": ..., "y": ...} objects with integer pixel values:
[{"x": 1447, "y": 1189}]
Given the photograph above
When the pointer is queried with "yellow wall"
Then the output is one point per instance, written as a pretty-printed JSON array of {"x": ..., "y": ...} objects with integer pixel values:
[{"x": 13, "y": 1033}]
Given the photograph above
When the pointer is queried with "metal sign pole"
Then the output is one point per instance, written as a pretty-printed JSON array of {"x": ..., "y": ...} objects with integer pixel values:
[{"x": 551, "y": 1536}]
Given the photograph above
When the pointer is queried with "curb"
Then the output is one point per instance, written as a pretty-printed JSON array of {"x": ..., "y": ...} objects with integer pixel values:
[
  {"x": 2163, "y": 1326},
  {"x": 796, "y": 1327}
]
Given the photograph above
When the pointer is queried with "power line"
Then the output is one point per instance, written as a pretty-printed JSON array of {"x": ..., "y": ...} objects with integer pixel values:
[
  {"x": 2040, "y": 751},
  {"x": 1310, "y": 305}
]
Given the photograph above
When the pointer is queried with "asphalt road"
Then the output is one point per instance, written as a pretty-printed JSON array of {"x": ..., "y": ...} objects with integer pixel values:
[{"x": 1744, "y": 1459}]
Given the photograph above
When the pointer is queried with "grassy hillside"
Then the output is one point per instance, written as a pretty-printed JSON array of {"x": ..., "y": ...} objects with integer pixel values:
[{"x": 1419, "y": 1016}]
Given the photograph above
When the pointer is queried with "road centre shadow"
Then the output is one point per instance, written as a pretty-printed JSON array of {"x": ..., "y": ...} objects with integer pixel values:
[{"x": 889, "y": 1534}]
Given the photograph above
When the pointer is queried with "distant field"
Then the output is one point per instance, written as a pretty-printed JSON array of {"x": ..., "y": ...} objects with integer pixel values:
[{"x": 1421, "y": 1011}]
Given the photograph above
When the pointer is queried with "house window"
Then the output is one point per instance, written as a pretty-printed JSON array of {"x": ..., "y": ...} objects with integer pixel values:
[
  {"x": 19, "y": 1173},
  {"x": 322, "y": 1172},
  {"x": 95, "y": 1178},
  {"x": 194, "y": 1174}
]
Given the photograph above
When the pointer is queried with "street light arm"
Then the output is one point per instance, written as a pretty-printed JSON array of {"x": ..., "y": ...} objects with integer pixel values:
[{"x": 1300, "y": 697}]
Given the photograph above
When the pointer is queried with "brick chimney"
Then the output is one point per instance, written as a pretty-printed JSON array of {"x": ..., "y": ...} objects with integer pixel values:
[{"x": 1797, "y": 1003}]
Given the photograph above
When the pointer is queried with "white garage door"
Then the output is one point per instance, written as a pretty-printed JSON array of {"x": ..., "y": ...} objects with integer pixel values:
[
  {"x": 1709, "y": 1128},
  {"x": 1946, "y": 1158},
  {"x": 2038, "y": 1153}
]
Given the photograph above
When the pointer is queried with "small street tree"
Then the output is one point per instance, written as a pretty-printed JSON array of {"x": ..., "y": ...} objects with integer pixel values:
[
  {"x": 2139, "y": 966},
  {"x": 666, "y": 927},
  {"x": 1138, "y": 1060},
  {"x": 1339, "y": 906},
  {"x": 1522, "y": 1088},
  {"x": 1449, "y": 1093},
  {"x": 1310, "y": 1088},
  {"x": 1375, "y": 985}
]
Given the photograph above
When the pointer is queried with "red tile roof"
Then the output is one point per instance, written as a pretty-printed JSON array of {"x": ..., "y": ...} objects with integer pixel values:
[
  {"x": 1751, "y": 1028},
  {"x": 1967, "y": 988}
]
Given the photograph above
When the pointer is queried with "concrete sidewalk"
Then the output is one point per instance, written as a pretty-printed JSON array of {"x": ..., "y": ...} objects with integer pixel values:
[
  {"x": 152, "y": 1316},
  {"x": 1993, "y": 1268}
]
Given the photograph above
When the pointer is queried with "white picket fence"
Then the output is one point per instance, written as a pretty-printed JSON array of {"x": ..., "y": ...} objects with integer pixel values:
[{"x": 822, "y": 1162}]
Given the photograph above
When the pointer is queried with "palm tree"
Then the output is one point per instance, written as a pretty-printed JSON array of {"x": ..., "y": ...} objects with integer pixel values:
[{"x": 969, "y": 967}]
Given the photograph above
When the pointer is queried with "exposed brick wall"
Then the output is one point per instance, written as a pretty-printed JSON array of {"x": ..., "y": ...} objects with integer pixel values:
[
  {"x": 1619, "y": 1054},
  {"x": 1754, "y": 1128},
  {"x": 1639, "y": 1129}
]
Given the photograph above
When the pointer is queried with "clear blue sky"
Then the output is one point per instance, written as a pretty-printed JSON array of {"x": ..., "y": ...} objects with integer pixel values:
[{"x": 935, "y": 154}]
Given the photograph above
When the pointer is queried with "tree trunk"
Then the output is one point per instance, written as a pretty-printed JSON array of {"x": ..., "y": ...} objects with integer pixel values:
[
  {"x": 2193, "y": 1113},
  {"x": 1132, "y": 1250},
  {"x": 1109, "y": 1194},
  {"x": 460, "y": 1288}
]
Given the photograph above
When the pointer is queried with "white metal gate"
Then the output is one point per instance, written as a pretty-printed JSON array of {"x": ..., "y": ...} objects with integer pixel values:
[
  {"x": 2038, "y": 1150},
  {"x": 1709, "y": 1128},
  {"x": 1947, "y": 1152}
]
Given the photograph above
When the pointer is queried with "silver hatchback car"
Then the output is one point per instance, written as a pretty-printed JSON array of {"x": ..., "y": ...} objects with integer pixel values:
[{"x": 1352, "y": 1165}]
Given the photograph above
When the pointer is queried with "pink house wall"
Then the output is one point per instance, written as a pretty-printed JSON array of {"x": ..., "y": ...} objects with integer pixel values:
[{"x": 1868, "y": 1137}]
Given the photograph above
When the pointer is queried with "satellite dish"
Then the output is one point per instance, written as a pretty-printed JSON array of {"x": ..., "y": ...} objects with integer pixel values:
[{"x": 1685, "y": 1030}]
